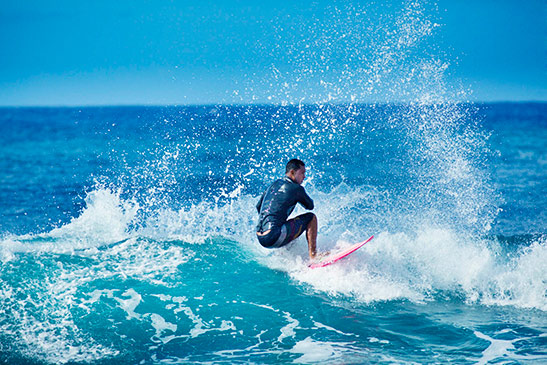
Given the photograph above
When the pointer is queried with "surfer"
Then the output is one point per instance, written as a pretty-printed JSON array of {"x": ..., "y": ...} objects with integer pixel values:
[{"x": 278, "y": 202}]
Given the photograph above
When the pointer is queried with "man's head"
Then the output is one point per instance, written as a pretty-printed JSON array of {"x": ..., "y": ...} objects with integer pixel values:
[{"x": 296, "y": 171}]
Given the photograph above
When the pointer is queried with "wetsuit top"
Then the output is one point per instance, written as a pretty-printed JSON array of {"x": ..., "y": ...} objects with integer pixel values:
[{"x": 278, "y": 202}]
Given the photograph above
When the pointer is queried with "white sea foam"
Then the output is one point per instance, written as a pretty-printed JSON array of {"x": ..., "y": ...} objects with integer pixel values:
[
  {"x": 522, "y": 280},
  {"x": 497, "y": 348},
  {"x": 130, "y": 304},
  {"x": 413, "y": 265},
  {"x": 313, "y": 351},
  {"x": 287, "y": 331},
  {"x": 162, "y": 326},
  {"x": 422, "y": 266},
  {"x": 43, "y": 304},
  {"x": 45, "y": 325},
  {"x": 105, "y": 219}
]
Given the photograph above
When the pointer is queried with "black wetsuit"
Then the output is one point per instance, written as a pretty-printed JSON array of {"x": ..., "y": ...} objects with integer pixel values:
[{"x": 275, "y": 206}]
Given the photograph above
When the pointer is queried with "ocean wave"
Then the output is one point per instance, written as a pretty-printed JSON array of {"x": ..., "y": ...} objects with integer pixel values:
[{"x": 426, "y": 262}]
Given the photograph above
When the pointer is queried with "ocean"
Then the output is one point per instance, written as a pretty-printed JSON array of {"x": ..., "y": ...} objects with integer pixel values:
[{"x": 127, "y": 234}]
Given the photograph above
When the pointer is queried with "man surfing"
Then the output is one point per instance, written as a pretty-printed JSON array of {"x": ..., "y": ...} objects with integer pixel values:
[{"x": 278, "y": 202}]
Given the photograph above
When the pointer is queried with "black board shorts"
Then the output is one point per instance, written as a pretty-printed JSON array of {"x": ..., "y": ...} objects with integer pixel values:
[{"x": 281, "y": 235}]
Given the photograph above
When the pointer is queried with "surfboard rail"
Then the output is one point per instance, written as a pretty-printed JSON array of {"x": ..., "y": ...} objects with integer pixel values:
[{"x": 331, "y": 259}]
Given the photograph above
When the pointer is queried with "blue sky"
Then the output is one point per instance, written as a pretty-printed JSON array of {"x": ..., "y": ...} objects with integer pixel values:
[{"x": 97, "y": 52}]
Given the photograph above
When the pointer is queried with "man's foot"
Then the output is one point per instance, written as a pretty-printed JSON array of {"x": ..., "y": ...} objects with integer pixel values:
[{"x": 320, "y": 256}]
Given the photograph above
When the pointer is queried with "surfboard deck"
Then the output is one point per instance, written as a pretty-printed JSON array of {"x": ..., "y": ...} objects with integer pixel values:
[{"x": 331, "y": 259}]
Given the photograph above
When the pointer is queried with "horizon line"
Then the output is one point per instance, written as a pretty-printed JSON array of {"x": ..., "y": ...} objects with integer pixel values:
[{"x": 136, "y": 105}]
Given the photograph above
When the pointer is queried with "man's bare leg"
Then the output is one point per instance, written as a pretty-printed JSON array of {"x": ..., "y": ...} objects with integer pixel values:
[{"x": 311, "y": 235}]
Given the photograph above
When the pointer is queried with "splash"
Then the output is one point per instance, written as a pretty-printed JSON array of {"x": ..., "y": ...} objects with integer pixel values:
[{"x": 401, "y": 169}]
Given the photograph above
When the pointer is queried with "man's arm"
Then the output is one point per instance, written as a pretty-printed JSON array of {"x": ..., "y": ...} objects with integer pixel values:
[
  {"x": 259, "y": 204},
  {"x": 304, "y": 199}
]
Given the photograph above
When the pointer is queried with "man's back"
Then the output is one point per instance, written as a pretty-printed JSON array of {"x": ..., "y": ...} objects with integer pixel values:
[{"x": 278, "y": 202}]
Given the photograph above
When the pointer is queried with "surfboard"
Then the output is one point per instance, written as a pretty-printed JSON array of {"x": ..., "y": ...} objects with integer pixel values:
[{"x": 331, "y": 259}]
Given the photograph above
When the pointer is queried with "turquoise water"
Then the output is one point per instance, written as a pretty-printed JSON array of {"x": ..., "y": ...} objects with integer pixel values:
[{"x": 127, "y": 235}]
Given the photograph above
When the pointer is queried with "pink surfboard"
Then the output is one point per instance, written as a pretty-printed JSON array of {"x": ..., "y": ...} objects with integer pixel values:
[{"x": 337, "y": 256}]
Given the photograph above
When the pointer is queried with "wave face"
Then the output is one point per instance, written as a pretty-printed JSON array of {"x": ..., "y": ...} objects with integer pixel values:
[{"x": 126, "y": 234}]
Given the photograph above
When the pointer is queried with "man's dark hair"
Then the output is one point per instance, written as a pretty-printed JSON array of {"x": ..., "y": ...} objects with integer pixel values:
[{"x": 293, "y": 164}]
